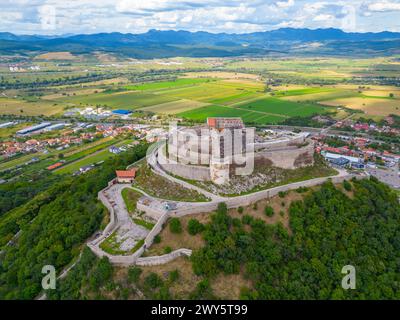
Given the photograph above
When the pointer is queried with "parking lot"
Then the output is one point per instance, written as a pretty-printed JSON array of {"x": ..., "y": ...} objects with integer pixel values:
[{"x": 389, "y": 176}]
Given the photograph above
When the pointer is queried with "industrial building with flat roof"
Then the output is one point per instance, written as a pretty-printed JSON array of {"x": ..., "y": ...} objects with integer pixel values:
[
  {"x": 56, "y": 126},
  {"x": 34, "y": 128}
]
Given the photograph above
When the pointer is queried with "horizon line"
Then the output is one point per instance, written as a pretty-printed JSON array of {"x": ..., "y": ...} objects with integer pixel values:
[{"x": 198, "y": 31}]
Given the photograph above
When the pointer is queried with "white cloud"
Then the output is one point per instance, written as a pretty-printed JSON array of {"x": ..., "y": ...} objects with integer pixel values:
[
  {"x": 323, "y": 17},
  {"x": 239, "y": 16},
  {"x": 285, "y": 4},
  {"x": 384, "y": 6},
  {"x": 47, "y": 16}
]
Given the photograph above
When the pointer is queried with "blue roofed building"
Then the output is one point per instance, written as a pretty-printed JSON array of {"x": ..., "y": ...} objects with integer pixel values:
[{"x": 121, "y": 112}]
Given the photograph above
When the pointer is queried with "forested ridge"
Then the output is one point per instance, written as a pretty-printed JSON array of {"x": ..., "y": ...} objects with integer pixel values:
[
  {"x": 354, "y": 224},
  {"x": 330, "y": 229},
  {"x": 54, "y": 225},
  {"x": 15, "y": 193}
]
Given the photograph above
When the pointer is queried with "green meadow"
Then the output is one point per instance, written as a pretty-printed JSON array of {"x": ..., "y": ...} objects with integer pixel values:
[
  {"x": 168, "y": 84},
  {"x": 282, "y": 108},
  {"x": 201, "y": 114},
  {"x": 91, "y": 158},
  {"x": 126, "y": 100}
]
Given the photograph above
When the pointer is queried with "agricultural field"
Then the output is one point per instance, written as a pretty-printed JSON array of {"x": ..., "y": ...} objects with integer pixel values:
[
  {"x": 6, "y": 165},
  {"x": 208, "y": 92},
  {"x": 96, "y": 156},
  {"x": 36, "y": 108},
  {"x": 260, "y": 111},
  {"x": 331, "y": 69},
  {"x": 10, "y": 131},
  {"x": 201, "y": 114},
  {"x": 56, "y": 56},
  {"x": 375, "y": 101},
  {"x": 274, "y": 106},
  {"x": 261, "y": 90},
  {"x": 127, "y": 100},
  {"x": 175, "y": 107},
  {"x": 371, "y": 106},
  {"x": 165, "y": 85}
]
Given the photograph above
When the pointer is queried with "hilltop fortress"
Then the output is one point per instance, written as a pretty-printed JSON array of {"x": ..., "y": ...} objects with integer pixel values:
[{"x": 224, "y": 147}]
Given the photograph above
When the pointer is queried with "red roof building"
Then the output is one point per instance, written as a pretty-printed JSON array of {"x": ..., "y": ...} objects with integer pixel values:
[
  {"x": 126, "y": 176},
  {"x": 54, "y": 166},
  {"x": 225, "y": 123}
]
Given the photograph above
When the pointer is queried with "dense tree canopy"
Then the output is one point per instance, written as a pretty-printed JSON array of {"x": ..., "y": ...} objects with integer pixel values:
[
  {"x": 331, "y": 229},
  {"x": 16, "y": 193},
  {"x": 53, "y": 227}
]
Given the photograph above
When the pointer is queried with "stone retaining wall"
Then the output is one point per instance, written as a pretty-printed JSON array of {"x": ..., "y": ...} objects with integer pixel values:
[
  {"x": 156, "y": 230},
  {"x": 201, "y": 173},
  {"x": 152, "y": 212},
  {"x": 111, "y": 225},
  {"x": 286, "y": 158},
  {"x": 157, "y": 260},
  {"x": 120, "y": 260},
  {"x": 247, "y": 200}
]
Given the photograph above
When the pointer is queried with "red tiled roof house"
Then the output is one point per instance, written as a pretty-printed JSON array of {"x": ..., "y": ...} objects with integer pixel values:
[{"x": 126, "y": 176}]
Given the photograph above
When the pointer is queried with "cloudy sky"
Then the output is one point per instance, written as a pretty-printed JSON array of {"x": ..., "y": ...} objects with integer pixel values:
[{"x": 232, "y": 16}]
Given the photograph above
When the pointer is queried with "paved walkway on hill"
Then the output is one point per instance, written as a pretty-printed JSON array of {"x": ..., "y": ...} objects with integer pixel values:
[{"x": 128, "y": 233}]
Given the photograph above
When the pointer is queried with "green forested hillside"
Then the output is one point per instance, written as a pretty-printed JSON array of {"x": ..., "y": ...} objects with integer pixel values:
[
  {"x": 54, "y": 225},
  {"x": 330, "y": 230},
  {"x": 16, "y": 193}
]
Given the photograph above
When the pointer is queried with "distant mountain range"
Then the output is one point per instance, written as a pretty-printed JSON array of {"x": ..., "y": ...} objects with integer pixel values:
[{"x": 160, "y": 44}]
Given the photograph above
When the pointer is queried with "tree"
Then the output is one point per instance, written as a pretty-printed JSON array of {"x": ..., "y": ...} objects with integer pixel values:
[
  {"x": 157, "y": 239},
  {"x": 326, "y": 225},
  {"x": 167, "y": 250},
  {"x": 153, "y": 281},
  {"x": 56, "y": 223},
  {"x": 347, "y": 185},
  {"x": 174, "y": 275},
  {"x": 269, "y": 211},
  {"x": 134, "y": 274},
  {"x": 194, "y": 227},
  {"x": 222, "y": 208},
  {"x": 175, "y": 226},
  {"x": 203, "y": 291}
]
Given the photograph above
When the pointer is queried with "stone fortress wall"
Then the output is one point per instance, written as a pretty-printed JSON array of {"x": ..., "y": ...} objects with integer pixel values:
[
  {"x": 287, "y": 151},
  {"x": 290, "y": 158},
  {"x": 187, "y": 171}
]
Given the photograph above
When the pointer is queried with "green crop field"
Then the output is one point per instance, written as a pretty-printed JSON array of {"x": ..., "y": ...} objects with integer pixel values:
[
  {"x": 282, "y": 108},
  {"x": 126, "y": 100},
  {"x": 300, "y": 92},
  {"x": 93, "y": 158},
  {"x": 330, "y": 93},
  {"x": 208, "y": 92},
  {"x": 248, "y": 116},
  {"x": 5, "y": 165},
  {"x": 241, "y": 97},
  {"x": 175, "y": 107},
  {"x": 168, "y": 84}
]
